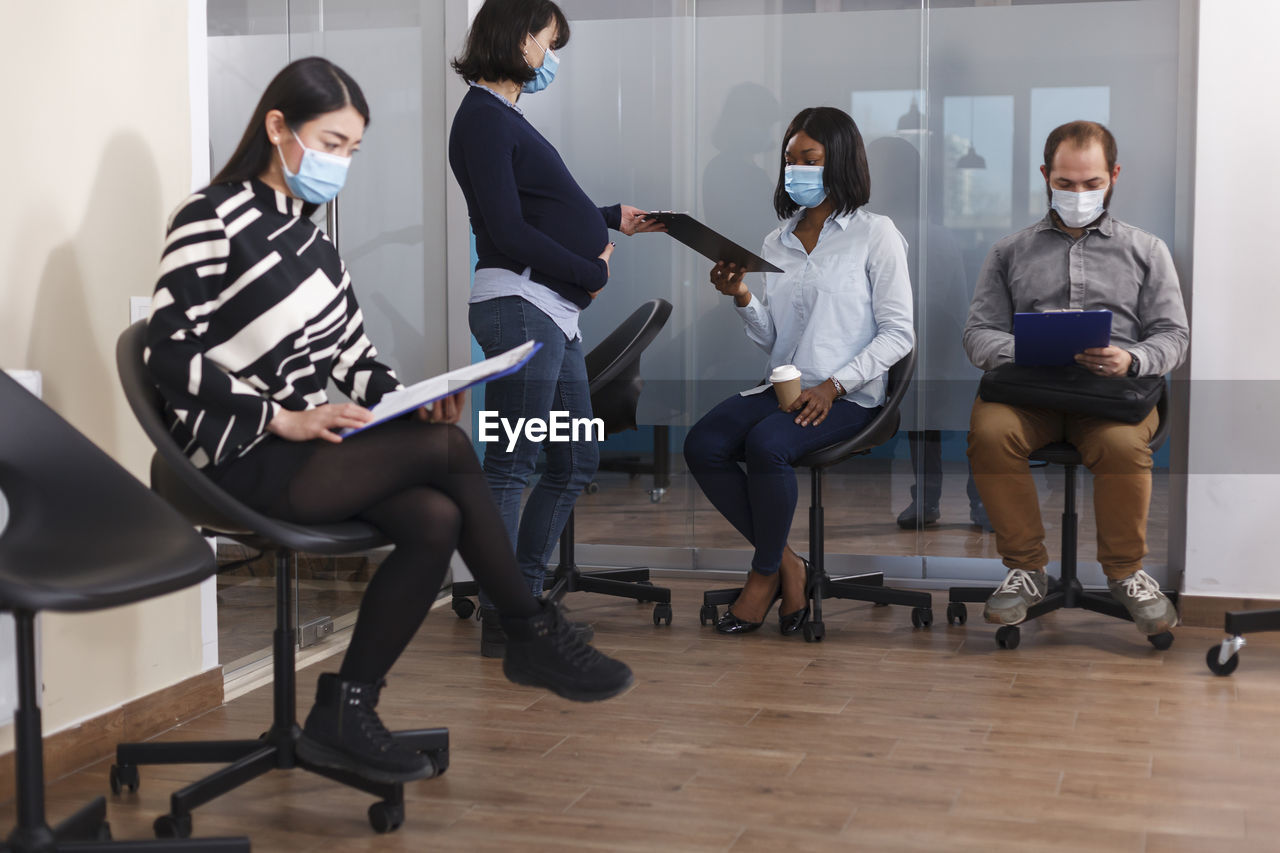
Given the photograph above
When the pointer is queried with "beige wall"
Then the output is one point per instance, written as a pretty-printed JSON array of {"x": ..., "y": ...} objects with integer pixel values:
[{"x": 96, "y": 153}]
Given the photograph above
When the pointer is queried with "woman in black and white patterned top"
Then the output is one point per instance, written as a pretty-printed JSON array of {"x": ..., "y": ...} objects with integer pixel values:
[{"x": 252, "y": 316}]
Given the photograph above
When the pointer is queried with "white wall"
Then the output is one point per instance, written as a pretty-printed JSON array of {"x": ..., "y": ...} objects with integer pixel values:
[
  {"x": 98, "y": 150},
  {"x": 1233, "y": 484}
]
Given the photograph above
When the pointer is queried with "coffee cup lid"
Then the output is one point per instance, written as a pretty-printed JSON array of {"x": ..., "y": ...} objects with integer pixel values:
[{"x": 784, "y": 373}]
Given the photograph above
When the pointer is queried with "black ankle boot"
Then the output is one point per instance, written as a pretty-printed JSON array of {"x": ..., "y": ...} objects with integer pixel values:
[
  {"x": 344, "y": 732},
  {"x": 493, "y": 640},
  {"x": 544, "y": 651}
]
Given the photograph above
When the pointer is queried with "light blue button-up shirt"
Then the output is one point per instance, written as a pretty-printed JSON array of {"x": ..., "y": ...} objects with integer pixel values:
[{"x": 843, "y": 310}]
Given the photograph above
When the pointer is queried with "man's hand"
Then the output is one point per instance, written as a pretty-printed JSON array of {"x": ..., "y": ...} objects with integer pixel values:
[
  {"x": 727, "y": 277},
  {"x": 446, "y": 410},
  {"x": 814, "y": 404},
  {"x": 1105, "y": 361},
  {"x": 635, "y": 221},
  {"x": 319, "y": 422}
]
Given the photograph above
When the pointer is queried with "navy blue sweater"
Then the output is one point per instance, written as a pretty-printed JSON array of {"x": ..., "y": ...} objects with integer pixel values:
[{"x": 526, "y": 209}]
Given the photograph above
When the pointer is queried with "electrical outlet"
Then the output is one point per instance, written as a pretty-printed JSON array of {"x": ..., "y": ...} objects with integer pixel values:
[{"x": 139, "y": 308}]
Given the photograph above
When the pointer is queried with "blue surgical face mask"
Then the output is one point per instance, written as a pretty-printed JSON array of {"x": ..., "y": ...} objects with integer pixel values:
[
  {"x": 545, "y": 73},
  {"x": 320, "y": 175},
  {"x": 804, "y": 185}
]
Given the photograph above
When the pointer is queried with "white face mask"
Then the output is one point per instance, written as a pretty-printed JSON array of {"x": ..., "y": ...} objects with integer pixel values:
[{"x": 1076, "y": 210}]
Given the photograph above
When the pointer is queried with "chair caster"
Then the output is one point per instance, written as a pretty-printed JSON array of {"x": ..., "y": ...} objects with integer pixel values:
[
  {"x": 1218, "y": 667},
  {"x": 814, "y": 632},
  {"x": 440, "y": 758},
  {"x": 656, "y": 495},
  {"x": 173, "y": 826},
  {"x": 591, "y": 489},
  {"x": 1008, "y": 636},
  {"x": 386, "y": 816},
  {"x": 661, "y": 613},
  {"x": 708, "y": 614},
  {"x": 1161, "y": 641},
  {"x": 957, "y": 613},
  {"x": 921, "y": 617},
  {"x": 464, "y": 607},
  {"x": 123, "y": 776}
]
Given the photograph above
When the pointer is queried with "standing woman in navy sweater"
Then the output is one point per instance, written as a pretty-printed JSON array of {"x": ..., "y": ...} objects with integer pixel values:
[
  {"x": 253, "y": 316},
  {"x": 543, "y": 254}
]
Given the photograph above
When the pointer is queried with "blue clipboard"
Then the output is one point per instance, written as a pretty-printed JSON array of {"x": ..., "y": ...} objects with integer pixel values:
[
  {"x": 1053, "y": 338},
  {"x": 416, "y": 396}
]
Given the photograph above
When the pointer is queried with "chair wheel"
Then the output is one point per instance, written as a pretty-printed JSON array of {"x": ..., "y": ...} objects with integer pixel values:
[
  {"x": 957, "y": 613},
  {"x": 1161, "y": 641},
  {"x": 814, "y": 632},
  {"x": 1008, "y": 636},
  {"x": 173, "y": 826},
  {"x": 1221, "y": 668},
  {"x": 123, "y": 776},
  {"x": 921, "y": 617},
  {"x": 661, "y": 613},
  {"x": 440, "y": 758},
  {"x": 386, "y": 816},
  {"x": 463, "y": 607},
  {"x": 593, "y": 487},
  {"x": 656, "y": 495},
  {"x": 708, "y": 614}
]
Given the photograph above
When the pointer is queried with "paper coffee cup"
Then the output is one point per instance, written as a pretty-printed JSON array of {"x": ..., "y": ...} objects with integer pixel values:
[{"x": 785, "y": 379}]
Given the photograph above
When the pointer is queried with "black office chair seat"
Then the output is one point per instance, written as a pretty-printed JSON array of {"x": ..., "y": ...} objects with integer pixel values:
[
  {"x": 207, "y": 506},
  {"x": 613, "y": 377},
  {"x": 865, "y": 586},
  {"x": 82, "y": 534},
  {"x": 1065, "y": 591}
]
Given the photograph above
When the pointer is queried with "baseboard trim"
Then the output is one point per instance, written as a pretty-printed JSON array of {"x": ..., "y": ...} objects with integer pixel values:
[
  {"x": 145, "y": 717},
  {"x": 1208, "y": 611}
]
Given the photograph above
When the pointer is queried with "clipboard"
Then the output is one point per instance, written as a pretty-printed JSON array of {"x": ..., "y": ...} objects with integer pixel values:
[
  {"x": 708, "y": 243},
  {"x": 1053, "y": 338},
  {"x": 416, "y": 396}
]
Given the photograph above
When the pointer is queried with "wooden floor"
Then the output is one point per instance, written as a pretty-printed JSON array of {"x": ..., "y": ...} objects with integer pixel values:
[{"x": 882, "y": 738}]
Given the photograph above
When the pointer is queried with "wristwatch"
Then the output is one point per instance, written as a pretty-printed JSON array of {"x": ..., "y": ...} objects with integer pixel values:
[
  {"x": 839, "y": 388},
  {"x": 1134, "y": 364}
]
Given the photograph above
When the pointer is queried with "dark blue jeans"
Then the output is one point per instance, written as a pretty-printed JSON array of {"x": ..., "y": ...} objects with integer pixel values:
[
  {"x": 761, "y": 500},
  {"x": 556, "y": 378}
]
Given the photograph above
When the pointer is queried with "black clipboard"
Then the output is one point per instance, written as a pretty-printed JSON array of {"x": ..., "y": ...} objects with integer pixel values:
[{"x": 708, "y": 243}]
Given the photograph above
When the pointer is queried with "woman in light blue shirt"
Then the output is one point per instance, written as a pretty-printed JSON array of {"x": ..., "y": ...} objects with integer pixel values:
[{"x": 841, "y": 313}]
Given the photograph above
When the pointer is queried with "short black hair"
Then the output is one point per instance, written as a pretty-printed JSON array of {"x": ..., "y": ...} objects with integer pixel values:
[
  {"x": 492, "y": 50},
  {"x": 1080, "y": 134},
  {"x": 845, "y": 173}
]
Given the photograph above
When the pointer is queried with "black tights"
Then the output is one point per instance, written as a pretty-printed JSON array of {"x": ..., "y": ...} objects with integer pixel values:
[{"x": 422, "y": 486}]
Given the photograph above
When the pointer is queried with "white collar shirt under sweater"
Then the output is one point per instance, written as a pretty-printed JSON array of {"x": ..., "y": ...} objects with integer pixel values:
[
  {"x": 842, "y": 310},
  {"x": 253, "y": 311}
]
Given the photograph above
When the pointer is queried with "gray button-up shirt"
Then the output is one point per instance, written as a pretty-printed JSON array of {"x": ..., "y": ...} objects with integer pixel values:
[{"x": 1113, "y": 266}]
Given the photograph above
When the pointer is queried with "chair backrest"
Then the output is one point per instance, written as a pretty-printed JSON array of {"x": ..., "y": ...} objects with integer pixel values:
[
  {"x": 200, "y": 499},
  {"x": 613, "y": 366},
  {"x": 880, "y": 429},
  {"x": 82, "y": 533}
]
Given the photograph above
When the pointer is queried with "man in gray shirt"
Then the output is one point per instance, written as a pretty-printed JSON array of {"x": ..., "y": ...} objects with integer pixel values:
[{"x": 1077, "y": 257}]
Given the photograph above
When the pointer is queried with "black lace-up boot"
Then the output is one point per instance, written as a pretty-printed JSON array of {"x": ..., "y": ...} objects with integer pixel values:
[
  {"x": 344, "y": 732},
  {"x": 544, "y": 650}
]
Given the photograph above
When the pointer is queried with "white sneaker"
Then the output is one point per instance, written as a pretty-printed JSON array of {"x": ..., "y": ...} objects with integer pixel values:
[
  {"x": 1021, "y": 589},
  {"x": 1151, "y": 610}
]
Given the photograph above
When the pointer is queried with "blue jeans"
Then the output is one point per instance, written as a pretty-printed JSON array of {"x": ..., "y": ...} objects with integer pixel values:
[
  {"x": 555, "y": 378},
  {"x": 761, "y": 501}
]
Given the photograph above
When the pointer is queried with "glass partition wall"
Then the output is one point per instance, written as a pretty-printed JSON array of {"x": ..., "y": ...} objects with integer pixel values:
[{"x": 680, "y": 105}]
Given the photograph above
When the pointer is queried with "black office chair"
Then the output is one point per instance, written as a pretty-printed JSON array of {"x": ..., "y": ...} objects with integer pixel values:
[
  {"x": 613, "y": 374},
  {"x": 207, "y": 506},
  {"x": 1065, "y": 592},
  {"x": 82, "y": 534},
  {"x": 868, "y": 586}
]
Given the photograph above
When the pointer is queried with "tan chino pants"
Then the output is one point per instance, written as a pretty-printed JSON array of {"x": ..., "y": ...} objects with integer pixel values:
[{"x": 1001, "y": 437}]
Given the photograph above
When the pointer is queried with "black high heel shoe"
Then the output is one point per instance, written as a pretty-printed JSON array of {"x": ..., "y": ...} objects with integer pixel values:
[
  {"x": 728, "y": 623},
  {"x": 793, "y": 622}
]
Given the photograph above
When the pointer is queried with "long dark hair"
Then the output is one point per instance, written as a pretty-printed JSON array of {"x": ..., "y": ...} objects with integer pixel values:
[
  {"x": 304, "y": 89},
  {"x": 845, "y": 173},
  {"x": 492, "y": 51}
]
